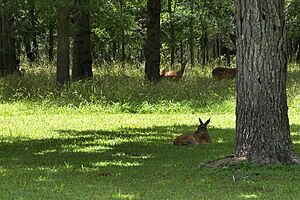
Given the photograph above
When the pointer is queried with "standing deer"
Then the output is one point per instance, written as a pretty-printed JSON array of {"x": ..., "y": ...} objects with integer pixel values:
[
  {"x": 224, "y": 73},
  {"x": 201, "y": 136}
]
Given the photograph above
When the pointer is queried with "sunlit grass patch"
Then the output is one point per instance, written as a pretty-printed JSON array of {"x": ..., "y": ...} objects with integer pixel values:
[
  {"x": 119, "y": 163},
  {"x": 249, "y": 196}
]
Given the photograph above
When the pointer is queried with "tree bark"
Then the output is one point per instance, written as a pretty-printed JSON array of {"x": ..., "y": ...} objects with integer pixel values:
[
  {"x": 262, "y": 124},
  {"x": 8, "y": 60},
  {"x": 33, "y": 22},
  {"x": 123, "y": 56},
  {"x": 63, "y": 47},
  {"x": 152, "y": 47},
  {"x": 204, "y": 47},
  {"x": 50, "y": 41},
  {"x": 82, "y": 55},
  {"x": 192, "y": 37},
  {"x": 172, "y": 34}
]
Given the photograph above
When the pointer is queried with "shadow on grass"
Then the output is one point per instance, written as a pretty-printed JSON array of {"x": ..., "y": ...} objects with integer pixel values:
[
  {"x": 100, "y": 148},
  {"x": 132, "y": 159}
]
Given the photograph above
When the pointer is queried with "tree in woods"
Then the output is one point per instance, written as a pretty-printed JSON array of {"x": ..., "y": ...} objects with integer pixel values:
[
  {"x": 172, "y": 33},
  {"x": 63, "y": 46},
  {"x": 293, "y": 36},
  {"x": 82, "y": 55},
  {"x": 152, "y": 46},
  {"x": 8, "y": 60},
  {"x": 262, "y": 124}
]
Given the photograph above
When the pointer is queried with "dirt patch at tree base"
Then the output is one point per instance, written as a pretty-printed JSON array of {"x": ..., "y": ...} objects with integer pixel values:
[{"x": 226, "y": 161}]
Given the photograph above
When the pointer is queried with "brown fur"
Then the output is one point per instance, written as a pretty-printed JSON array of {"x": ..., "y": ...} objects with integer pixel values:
[
  {"x": 224, "y": 73},
  {"x": 201, "y": 136},
  {"x": 174, "y": 75}
]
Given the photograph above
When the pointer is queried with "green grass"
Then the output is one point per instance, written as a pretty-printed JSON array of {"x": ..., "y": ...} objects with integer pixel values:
[{"x": 111, "y": 138}]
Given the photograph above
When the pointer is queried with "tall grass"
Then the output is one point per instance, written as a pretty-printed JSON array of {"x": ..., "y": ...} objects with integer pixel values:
[{"x": 117, "y": 89}]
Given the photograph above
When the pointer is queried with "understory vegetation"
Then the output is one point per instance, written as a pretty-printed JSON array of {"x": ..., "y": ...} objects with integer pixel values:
[{"x": 111, "y": 138}]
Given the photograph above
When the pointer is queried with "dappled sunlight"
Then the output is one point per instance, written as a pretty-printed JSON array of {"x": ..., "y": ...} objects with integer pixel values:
[
  {"x": 98, "y": 149},
  {"x": 3, "y": 171},
  {"x": 118, "y": 163},
  {"x": 132, "y": 155},
  {"x": 249, "y": 196},
  {"x": 219, "y": 140},
  {"x": 45, "y": 152},
  {"x": 124, "y": 196}
]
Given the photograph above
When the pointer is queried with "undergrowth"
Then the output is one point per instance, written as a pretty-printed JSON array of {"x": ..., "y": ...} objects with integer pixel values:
[{"x": 115, "y": 89}]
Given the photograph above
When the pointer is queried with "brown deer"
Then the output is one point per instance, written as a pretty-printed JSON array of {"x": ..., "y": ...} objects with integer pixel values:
[
  {"x": 201, "y": 136},
  {"x": 174, "y": 75},
  {"x": 224, "y": 73}
]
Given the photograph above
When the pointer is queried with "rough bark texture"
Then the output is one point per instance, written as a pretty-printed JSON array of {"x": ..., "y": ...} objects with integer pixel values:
[
  {"x": 262, "y": 124},
  {"x": 82, "y": 55},
  {"x": 8, "y": 60},
  {"x": 63, "y": 47},
  {"x": 152, "y": 47}
]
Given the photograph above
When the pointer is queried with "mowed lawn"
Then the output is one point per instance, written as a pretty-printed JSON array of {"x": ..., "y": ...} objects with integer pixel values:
[{"x": 55, "y": 151}]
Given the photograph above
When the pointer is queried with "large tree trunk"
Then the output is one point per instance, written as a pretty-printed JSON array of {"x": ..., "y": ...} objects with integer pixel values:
[
  {"x": 152, "y": 47},
  {"x": 262, "y": 124},
  {"x": 8, "y": 60},
  {"x": 63, "y": 47},
  {"x": 82, "y": 55}
]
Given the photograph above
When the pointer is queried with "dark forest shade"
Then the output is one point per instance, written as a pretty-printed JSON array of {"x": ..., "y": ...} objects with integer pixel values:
[
  {"x": 152, "y": 47},
  {"x": 262, "y": 124},
  {"x": 8, "y": 60}
]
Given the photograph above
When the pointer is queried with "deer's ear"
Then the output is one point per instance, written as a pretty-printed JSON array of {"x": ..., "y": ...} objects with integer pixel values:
[
  {"x": 207, "y": 122},
  {"x": 200, "y": 121}
]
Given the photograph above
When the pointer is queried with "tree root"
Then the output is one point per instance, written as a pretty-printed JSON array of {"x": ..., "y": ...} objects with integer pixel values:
[{"x": 226, "y": 161}]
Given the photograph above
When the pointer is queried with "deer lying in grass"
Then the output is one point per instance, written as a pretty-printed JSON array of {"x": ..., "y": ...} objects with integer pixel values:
[
  {"x": 201, "y": 136},
  {"x": 224, "y": 73},
  {"x": 175, "y": 75}
]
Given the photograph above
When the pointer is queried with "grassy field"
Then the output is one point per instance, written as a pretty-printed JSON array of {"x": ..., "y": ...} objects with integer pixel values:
[{"x": 111, "y": 138}]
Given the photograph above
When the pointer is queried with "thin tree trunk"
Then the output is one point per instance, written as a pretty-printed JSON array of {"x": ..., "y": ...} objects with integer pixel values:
[
  {"x": 228, "y": 60},
  {"x": 181, "y": 52},
  {"x": 172, "y": 34},
  {"x": 123, "y": 56},
  {"x": 192, "y": 37},
  {"x": 152, "y": 47},
  {"x": 63, "y": 47},
  {"x": 298, "y": 51},
  {"x": 82, "y": 55},
  {"x": 33, "y": 30},
  {"x": 262, "y": 124},
  {"x": 114, "y": 49},
  {"x": 204, "y": 44},
  {"x": 51, "y": 41}
]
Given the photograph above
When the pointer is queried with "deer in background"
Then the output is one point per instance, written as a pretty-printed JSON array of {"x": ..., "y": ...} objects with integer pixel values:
[
  {"x": 174, "y": 75},
  {"x": 201, "y": 136},
  {"x": 224, "y": 73}
]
